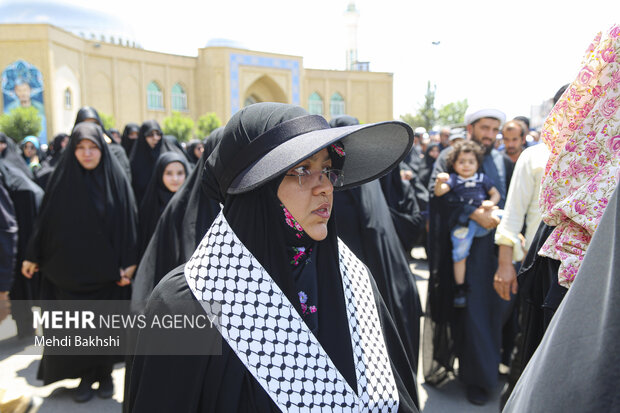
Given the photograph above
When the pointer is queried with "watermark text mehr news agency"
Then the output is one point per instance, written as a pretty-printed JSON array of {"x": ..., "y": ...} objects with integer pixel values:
[{"x": 88, "y": 320}]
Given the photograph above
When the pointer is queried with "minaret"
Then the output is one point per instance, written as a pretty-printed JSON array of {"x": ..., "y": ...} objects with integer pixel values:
[{"x": 351, "y": 17}]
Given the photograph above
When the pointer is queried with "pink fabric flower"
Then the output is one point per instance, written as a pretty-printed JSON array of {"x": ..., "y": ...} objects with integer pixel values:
[
  {"x": 586, "y": 75},
  {"x": 597, "y": 91},
  {"x": 586, "y": 110},
  {"x": 570, "y": 146},
  {"x": 592, "y": 187},
  {"x": 615, "y": 79},
  {"x": 580, "y": 207},
  {"x": 615, "y": 31},
  {"x": 608, "y": 55},
  {"x": 614, "y": 144},
  {"x": 591, "y": 150},
  {"x": 609, "y": 108}
]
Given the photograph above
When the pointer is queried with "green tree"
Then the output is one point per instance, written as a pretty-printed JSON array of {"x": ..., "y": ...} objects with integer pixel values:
[
  {"x": 426, "y": 116},
  {"x": 428, "y": 113},
  {"x": 453, "y": 113},
  {"x": 178, "y": 125},
  {"x": 21, "y": 122},
  {"x": 207, "y": 123},
  {"x": 108, "y": 120}
]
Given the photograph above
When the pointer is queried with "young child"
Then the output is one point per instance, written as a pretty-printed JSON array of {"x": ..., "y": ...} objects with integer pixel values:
[{"x": 472, "y": 188}]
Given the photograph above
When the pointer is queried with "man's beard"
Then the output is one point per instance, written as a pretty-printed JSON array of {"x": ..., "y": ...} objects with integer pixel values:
[{"x": 487, "y": 149}]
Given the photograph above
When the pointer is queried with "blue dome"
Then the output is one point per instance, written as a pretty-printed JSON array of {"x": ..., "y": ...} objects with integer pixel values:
[
  {"x": 218, "y": 42},
  {"x": 89, "y": 24}
]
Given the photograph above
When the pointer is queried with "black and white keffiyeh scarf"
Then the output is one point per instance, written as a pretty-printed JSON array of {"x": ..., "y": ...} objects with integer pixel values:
[{"x": 270, "y": 337}]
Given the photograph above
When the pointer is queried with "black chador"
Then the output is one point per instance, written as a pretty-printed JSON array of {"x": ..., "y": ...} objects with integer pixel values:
[
  {"x": 156, "y": 198},
  {"x": 143, "y": 157},
  {"x": 86, "y": 232},
  {"x": 364, "y": 224},
  {"x": 26, "y": 196},
  {"x": 180, "y": 229},
  {"x": 126, "y": 142},
  {"x": 88, "y": 113},
  {"x": 309, "y": 287}
]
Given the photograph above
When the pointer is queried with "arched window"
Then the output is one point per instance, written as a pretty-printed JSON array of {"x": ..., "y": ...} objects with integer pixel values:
[
  {"x": 315, "y": 104},
  {"x": 154, "y": 97},
  {"x": 68, "y": 99},
  {"x": 179, "y": 98},
  {"x": 336, "y": 105}
]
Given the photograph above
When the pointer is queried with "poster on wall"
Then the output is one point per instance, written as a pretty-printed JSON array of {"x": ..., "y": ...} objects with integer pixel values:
[{"x": 22, "y": 86}]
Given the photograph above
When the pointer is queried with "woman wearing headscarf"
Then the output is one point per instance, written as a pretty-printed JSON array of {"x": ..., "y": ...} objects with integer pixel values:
[
  {"x": 11, "y": 154},
  {"x": 180, "y": 229},
  {"x": 171, "y": 170},
  {"x": 90, "y": 114},
  {"x": 194, "y": 150},
  {"x": 365, "y": 225},
  {"x": 88, "y": 210},
  {"x": 26, "y": 196},
  {"x": 274, "y": 171},
  {"x": 130, "y": 134},
  {"x": 31, "y": 152},
  {"x": 573, "y": 369},
  {"x": 53, "y": 156},
  {"x": 406, "y": 215},
  {"x": 430, "y": 155},
  {"x": 582, "y": 132},
  {"x": 148, "y": 147}
]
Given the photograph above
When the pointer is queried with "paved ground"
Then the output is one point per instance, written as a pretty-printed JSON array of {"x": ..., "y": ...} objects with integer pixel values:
[{"x": 18, "y": 376}]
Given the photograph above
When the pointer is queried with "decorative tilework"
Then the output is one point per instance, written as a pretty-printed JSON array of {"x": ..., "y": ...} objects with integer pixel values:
[{"x": 237, "y": 60}]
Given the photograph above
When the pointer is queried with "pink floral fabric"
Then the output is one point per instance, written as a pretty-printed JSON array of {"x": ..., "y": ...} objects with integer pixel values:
[{"x": 583, "y": 134}]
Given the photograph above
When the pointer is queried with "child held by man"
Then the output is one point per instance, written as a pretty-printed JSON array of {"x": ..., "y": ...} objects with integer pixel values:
[{"x": 472, "y": 188}]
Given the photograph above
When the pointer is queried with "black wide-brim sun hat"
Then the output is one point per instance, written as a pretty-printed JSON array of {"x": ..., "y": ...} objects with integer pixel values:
[{"x": 372, "y": 150}]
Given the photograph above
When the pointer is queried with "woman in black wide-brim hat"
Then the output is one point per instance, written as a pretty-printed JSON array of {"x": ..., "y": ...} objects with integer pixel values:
[
  {"x": 315, "y": 333},
  {"x": 84, "y": 243}
]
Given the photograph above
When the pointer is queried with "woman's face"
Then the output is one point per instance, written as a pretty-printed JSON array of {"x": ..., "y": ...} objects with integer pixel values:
[
  {"x": 198, "y": 150},
  {"x": 29, "y": 150},
  {"x": 88, "y": 154},
  {"x": 174, "y": 176},
  {"x": 309, "y": 203},
  {"x": 434, "y": 152},
  {"x": 153, "y": 138}
]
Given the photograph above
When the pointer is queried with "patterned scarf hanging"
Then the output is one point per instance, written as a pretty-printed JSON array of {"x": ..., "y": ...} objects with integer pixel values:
[{"x": 274, "y": 343}]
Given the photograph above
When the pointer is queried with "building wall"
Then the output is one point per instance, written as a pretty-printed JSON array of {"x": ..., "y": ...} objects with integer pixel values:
[
  {"x": 114, "y": 78},
  {"x": 367, "y": 95}
]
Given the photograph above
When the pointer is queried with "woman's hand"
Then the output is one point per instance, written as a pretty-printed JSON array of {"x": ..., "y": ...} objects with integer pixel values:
[
  {"x": 126, "y": 276},
  {"x": 29, "y": 268}
]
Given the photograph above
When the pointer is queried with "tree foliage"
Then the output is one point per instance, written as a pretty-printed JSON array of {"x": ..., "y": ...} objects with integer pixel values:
[
  {"x": 108, "y": 120},
  {"x": 178, "y": 125},
  {"x": 21, "y": 122},
  {"x": 453, "y": 113},
  {"x": 207, "y": 123},
  {"x": 428, "y": 116}
]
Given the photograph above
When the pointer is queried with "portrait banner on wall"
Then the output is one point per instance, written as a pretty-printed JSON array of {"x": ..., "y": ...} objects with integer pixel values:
[{"x": 22, "y": 86}]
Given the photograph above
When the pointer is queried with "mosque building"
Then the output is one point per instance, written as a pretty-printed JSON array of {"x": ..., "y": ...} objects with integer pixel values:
[{"x": 59, "y": 57}]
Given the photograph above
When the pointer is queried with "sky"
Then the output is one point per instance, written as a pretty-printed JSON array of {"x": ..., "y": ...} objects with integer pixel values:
[{"x": 502, "y": 53}]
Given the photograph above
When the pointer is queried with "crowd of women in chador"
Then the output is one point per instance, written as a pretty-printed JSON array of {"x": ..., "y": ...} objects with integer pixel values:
[{"x": 321, "y": 218}]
